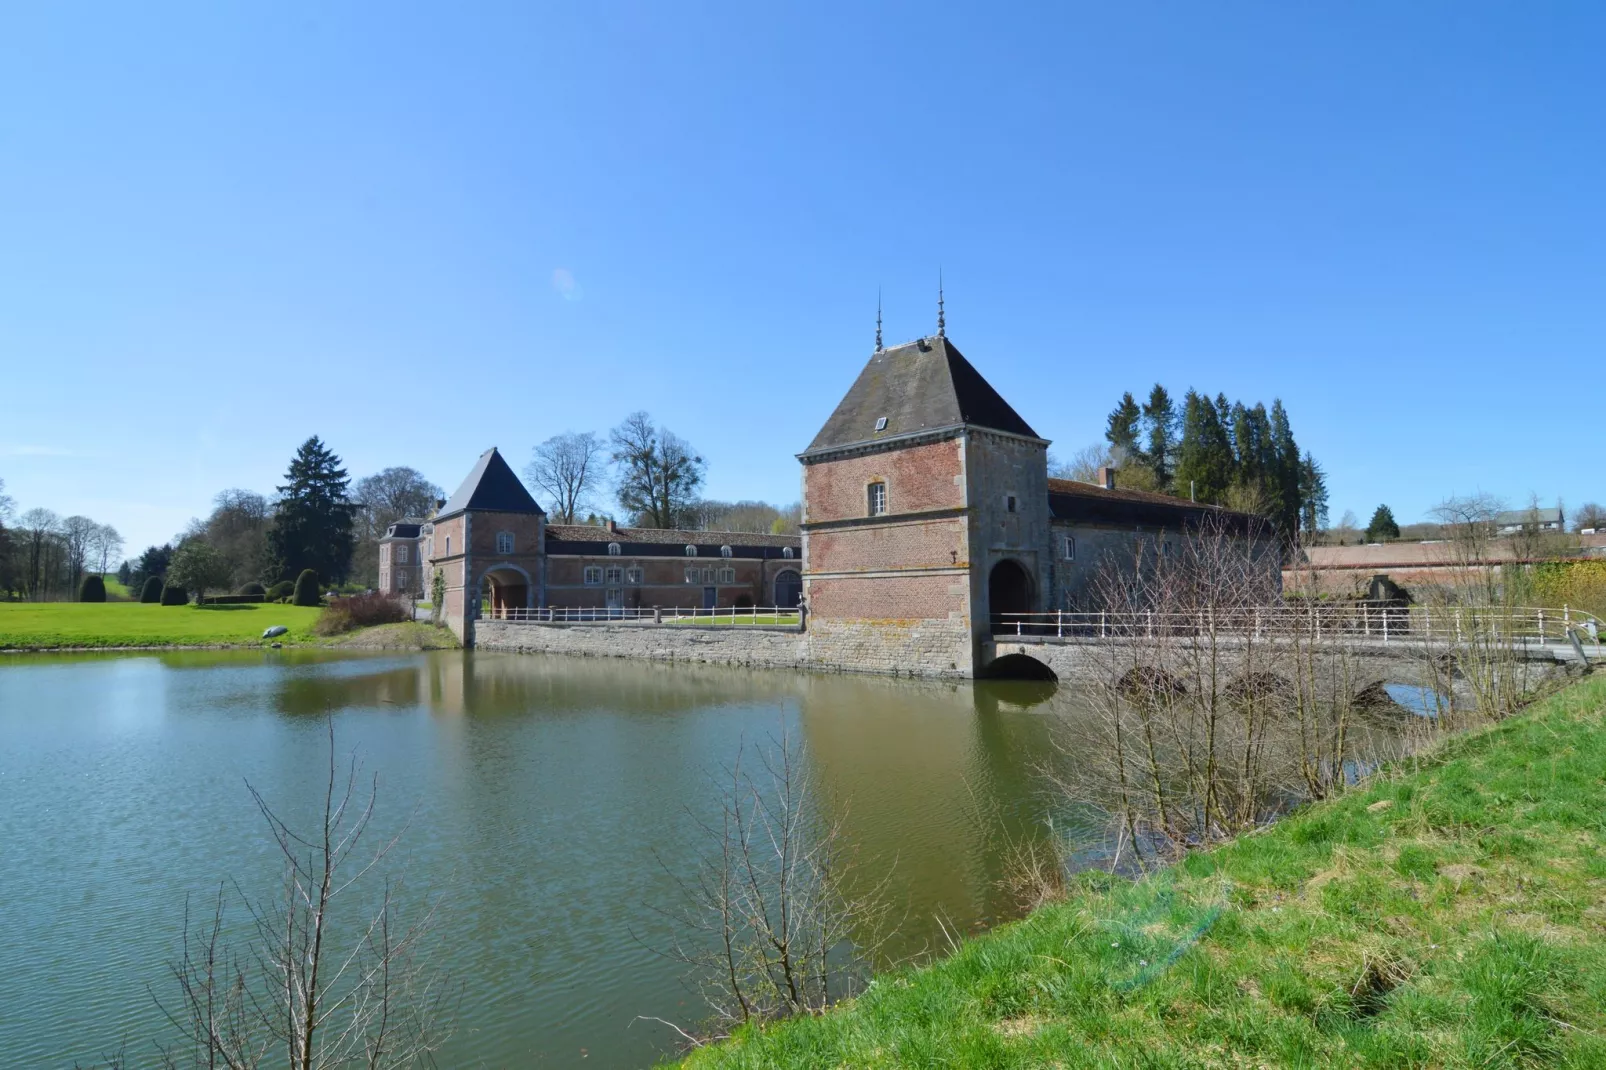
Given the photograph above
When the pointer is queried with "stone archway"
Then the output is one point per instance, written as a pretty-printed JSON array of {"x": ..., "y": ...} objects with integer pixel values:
[
  {"x": 504, "y": 587},
  {"x": 788, "y": 589},
  {"x": 1009, "y": 591}
]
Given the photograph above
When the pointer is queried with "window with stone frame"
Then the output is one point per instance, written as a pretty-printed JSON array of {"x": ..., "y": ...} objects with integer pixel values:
[
  {"x": 384, "y": 553},
  {"x": 593, "y": 575},
  {"x": 786, "y": 551},
  {"x": 613, "y": 576},
  {"x": 724, "y": 551},
  {"x": 694, "y": 575},
  {"x": 1068, "y": 548},
  {"x": 504, "y": 542},
  {"x": 613, "y": 549},
  {"x": 633, "y": 576},
  {"x": 710, "y": 575},
  {"x": 876, "y": 495},
  {"x": 727, "y": 575},
  {"x": 401, "y": 554},
  {"x": 691, "y": 551},
  {"x": 401, "y": 579}
]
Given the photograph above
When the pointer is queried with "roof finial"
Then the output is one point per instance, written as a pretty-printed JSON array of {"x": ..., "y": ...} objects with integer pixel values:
[
  {"x": 941, "y": 327},
  {"x": 878, "y": 319}
]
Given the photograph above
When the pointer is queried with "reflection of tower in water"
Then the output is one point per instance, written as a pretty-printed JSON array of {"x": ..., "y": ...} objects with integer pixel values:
[{"x": 930, "y": 783}]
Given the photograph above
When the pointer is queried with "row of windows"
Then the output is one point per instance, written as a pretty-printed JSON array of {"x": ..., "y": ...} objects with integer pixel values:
[
  {"x": 596, "y": 575},
  {"x": 614, "y": 550},
  {"x": 1068, "y": 548},
  {"x": 504, "y": 545}
]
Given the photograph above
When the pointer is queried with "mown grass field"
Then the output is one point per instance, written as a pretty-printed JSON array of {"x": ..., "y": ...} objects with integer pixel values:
[
  {"x": 1453, "y": 915},
  {"x": 54, "y": 625}
]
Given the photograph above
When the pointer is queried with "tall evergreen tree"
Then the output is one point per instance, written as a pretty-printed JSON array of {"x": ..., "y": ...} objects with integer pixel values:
[
  {"x": 313, "y": 520},
  {"x": 1383, "y": 525},
  {"x": 1160, "y": 425},
  {"x": 1121, "y": 430},
  {"x": 1224, "y": 421},
  {"x": 1204, "y": 457},
  {"x": 1312, "y": 495},
  {"x": 1284, "y": 473}
]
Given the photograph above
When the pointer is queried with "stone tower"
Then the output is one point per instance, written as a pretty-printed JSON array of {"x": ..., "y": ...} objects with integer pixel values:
[
  {"x": 488, "y": 544},
  {"x": 925, "y": 515}
]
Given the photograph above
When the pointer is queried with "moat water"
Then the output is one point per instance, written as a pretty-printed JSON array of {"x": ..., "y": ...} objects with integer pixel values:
[{"x": 543, "y": 798}]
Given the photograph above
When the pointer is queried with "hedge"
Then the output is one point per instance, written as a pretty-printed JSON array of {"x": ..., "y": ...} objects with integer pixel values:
[
  {"x": 307, "y": 588},
  {"x": 151, "y": 593},
  {"x": 174, "y": 596},
  {"x": 93, "y": 589}
]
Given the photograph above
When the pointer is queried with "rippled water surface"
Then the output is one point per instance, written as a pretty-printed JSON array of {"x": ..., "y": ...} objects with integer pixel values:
[{"x": 541, "y": 795}]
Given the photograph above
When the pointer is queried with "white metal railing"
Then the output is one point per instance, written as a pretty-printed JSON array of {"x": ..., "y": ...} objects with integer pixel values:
[
  {"x": 1387, "y": 624},
  {"x": 726, "y": 616}
]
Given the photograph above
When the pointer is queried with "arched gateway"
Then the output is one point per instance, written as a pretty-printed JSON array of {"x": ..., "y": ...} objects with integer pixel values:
[{"x": 1009, "y": 591}]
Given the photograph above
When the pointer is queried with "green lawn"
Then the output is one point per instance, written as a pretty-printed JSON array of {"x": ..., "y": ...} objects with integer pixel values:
[
  {"x": 1451, "y": 916},
  {"x": 48, "y": 625}
]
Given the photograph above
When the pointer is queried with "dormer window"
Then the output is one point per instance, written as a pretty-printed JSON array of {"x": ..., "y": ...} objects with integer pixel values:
[
  {"x": 877, "y": 498},
  {"x": 613, "y": 549},
  {"x": 881, "y": 423},
  {"x": 504, "y": 542},
  {"x": 786, "y": 551},
  {"x": 724, "y": 551},
  {"x": 691, "y": 551}
]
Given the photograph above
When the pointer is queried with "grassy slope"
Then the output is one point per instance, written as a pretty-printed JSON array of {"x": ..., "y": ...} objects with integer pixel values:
[
  {"x": 45, "y": 625},
  {"x": 1461, "y": 925}
]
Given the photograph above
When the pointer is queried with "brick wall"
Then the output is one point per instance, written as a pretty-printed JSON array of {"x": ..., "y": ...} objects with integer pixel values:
[
  {"x": 917, "y": 478},
  {"x": 883, "y": 598},
  {"x": 915, "y": 544}
]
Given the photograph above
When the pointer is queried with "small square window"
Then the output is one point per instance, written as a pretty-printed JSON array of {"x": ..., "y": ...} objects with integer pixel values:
[{"x": 881, "y": 423}]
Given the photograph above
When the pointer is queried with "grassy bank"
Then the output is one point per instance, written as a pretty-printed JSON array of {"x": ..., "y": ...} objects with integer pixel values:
[
  {"x": 55, "y": 625},
  {"x": 1453, "y": 915}
]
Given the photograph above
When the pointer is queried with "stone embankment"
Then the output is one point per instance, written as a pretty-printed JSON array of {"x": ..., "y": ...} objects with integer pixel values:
[{"x": 894, "y": 648}]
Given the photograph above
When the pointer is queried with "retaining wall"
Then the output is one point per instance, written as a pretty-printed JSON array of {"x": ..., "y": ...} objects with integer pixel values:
[{"x": 897, "y": 648}]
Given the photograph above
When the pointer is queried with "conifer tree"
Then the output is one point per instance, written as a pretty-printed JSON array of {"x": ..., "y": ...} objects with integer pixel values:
[
  {"x": 1121, "y": 430},
  {"x": 1160, "y": 423},
  {"x": 1312, "y": 495},
  {"x": 1383, "y": 525},
  {"x": 1285, "y": 465},
  {"x": 313, "y": 520},
  {"x": 1204, "y": 457}
]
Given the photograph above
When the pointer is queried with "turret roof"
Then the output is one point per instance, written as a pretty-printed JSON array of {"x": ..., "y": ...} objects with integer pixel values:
[
  {"x": 490, "y": 487},
  {"x": 923, "y": 385}
]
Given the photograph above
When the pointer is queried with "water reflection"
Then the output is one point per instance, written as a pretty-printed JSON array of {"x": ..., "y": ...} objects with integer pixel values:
[{"x": 550, "y": 794}]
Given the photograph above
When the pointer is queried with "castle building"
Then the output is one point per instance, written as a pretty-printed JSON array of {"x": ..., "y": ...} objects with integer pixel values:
[
  {"x": 929, "y": 518},
  {"x": 929, "y": 524}
]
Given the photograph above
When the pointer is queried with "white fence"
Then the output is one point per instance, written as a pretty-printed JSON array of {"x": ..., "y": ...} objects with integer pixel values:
[
  {"x": 726, "y": 617},
  {"x": 1388, "y": 624}
]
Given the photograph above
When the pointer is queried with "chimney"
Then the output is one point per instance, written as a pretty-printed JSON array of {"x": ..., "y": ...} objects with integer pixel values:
[
  {"x": 612, "y": 524},
  {"x": 1107, "y": 477}
]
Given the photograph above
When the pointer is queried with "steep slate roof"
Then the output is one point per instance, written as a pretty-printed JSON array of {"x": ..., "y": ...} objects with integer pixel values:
[
  {"x": 667, "y": 536},
  {"x": 918, "y": 386},
  {"x": 490, "y": 487},
  {"x": 405, "y": 528}
]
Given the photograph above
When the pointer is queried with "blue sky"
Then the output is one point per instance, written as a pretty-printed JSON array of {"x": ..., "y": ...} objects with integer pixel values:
[{"x": 419, "y": 230}]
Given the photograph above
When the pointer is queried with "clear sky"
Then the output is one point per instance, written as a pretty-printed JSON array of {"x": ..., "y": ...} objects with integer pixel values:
[{"x": 420, "y": 230}]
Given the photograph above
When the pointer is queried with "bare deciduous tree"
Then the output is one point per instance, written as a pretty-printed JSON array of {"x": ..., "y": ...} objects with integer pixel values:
[
  {"x": 106, "y": 543},
  {"x": 567, "y": 468},
  {"x": 312, "y": 989},
  {"x": 1083, "y": 465},
  {"x": 659, "y": 473},
  {"x": 775, "y": 922}
]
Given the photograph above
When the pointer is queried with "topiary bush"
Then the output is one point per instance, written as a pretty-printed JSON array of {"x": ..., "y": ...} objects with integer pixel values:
[
  {"x": 306, "y": 588},
  {"x": 174, "y": 596},
  {"x": 252, "y": 588},
  {"x": 281, "y": 590},
  {"x": 151, "y": 593},
  {"x": 93, "y": 589}
]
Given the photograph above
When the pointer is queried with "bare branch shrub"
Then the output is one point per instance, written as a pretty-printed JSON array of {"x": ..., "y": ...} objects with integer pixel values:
[
  {"x": 776, "y": 921},
  {"x": 320, "y": 983},
  {"x": 1215, "y": 704}
]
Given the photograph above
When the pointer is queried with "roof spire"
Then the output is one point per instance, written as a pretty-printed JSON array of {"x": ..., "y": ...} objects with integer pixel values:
[
  {"x": 878, "y": 319},
  {"x": 942, "y": 331}
]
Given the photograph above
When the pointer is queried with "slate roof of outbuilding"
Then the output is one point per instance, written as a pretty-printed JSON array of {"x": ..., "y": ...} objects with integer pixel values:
[
  {"x": 1071, "y": 499},
  {"x": 490, "y": 487},
  {"x": 667, "y": 536},
  {"x": 919, "y": 386}
]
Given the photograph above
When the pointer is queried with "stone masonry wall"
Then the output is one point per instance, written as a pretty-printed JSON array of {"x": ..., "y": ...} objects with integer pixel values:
[
  {"x": 774, "y": 648},
  {"x": 897, "y": 648}
]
